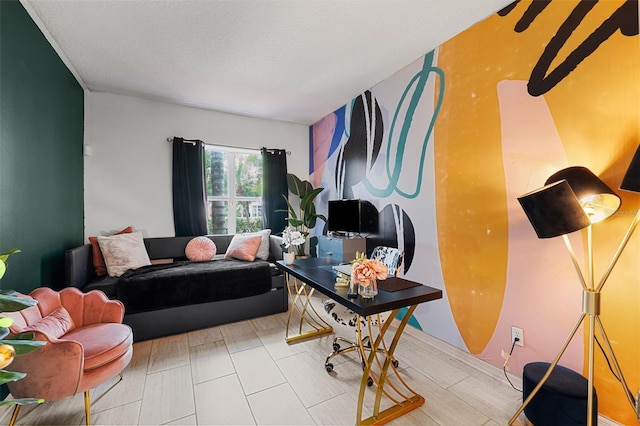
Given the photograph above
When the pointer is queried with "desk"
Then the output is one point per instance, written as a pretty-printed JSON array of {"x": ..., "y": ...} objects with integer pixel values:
[{"x": 304, "y": 277}]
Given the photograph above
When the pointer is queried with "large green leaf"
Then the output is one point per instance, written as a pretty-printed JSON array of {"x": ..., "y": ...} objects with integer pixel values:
[
  {"x": 5, "y": 322},
  {"x": 292, "y": 212},
  {"x": 24, "y": 346},
  {"x": 22, "y": 401},
  {"x": 295, "y": 185},
  {"x": 4, "y": 332},
  {"x": 15, "y": 303},
  {"x": 3, "y": 268},
  {"x": 4, "y": 256},
  {"x": 308, "y": 198},
  {"x": 10, "y": 376}
]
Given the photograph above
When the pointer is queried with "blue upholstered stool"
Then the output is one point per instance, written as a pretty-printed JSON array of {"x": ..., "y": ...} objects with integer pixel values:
[{"x": 561, "y": 401}]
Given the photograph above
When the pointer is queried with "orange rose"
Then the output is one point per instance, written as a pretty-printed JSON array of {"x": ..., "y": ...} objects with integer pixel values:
[{"x": 367, "y": 269}]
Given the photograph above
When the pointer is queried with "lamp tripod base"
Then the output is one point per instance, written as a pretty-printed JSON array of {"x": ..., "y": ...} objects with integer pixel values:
[{"x": 593, "y": 320}]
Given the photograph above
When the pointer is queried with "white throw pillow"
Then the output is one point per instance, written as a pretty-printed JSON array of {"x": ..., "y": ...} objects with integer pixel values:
[
  {"x": 263, "y": 250},
  {"x": 123, "y": 252},
  {"x": 243, "y": 247}
]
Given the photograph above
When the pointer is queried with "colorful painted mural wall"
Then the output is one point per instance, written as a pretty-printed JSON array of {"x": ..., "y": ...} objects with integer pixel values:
[{"x": 444, "y": 147}]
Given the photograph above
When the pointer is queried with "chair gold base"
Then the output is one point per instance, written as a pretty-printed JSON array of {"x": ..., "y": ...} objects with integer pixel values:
[
  {"x": 87, "y": 404},
  {"x": 309, "y": 322}
]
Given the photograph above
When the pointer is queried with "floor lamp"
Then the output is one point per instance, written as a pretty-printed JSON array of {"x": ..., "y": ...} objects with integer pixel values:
[{"x": 574, "y": 199}]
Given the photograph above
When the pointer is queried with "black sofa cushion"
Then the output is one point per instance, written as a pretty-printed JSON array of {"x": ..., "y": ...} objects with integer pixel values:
[{"x": 186, "y": 283}]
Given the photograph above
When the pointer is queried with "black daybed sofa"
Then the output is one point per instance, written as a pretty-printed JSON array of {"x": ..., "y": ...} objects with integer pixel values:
[{"x": 181, "y": 296}]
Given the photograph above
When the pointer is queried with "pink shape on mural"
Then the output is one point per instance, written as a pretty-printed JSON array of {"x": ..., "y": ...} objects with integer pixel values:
[
  {"x": 545, "y": 302},
  {"x": 323, "y": 132}
]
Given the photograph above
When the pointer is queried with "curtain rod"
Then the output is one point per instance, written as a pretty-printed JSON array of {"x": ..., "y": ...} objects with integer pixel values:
[{"x": 193, "y": 142}]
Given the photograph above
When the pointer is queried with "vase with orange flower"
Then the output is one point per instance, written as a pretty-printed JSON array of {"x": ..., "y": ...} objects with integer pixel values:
[{"x": 366, "y": 273}]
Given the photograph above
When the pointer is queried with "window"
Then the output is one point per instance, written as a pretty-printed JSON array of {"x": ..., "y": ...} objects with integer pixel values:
[{"x": 234, "y": 190}]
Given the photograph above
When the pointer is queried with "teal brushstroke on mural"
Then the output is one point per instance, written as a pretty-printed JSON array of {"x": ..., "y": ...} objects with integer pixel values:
[
  {"x": 420, "y": 81},
  {"x": 412, "y": 321}
]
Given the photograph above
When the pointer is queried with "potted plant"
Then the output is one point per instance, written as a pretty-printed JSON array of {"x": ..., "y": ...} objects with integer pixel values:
[
  {"x": 304, "y": 217},
  {"x": 19, "y": 344}
]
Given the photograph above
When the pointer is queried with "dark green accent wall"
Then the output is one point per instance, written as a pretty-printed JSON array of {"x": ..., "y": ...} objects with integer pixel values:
[{"x": 41, "y": 160}]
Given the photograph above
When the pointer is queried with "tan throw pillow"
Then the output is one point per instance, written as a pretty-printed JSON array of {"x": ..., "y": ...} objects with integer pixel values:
[
  {"x": 263, "y": 250},
  {"x": 243, "y": 247},
  {"x": 123, "y": 252},
  {"x": 98, "y": 259}
]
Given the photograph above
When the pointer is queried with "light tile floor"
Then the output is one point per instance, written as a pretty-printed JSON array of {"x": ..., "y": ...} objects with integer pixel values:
[{"x": 244, "y": 373}]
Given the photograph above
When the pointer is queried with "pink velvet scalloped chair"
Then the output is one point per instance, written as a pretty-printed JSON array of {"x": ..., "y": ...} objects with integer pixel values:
[{"x": 87, "y": 344}]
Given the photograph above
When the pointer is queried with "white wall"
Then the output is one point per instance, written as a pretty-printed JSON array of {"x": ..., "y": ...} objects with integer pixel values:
[{"x": 127, "y": 163}]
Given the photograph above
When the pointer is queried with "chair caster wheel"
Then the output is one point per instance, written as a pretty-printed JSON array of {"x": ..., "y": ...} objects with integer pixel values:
[
  {"x": 369, "y": 381},
  {"x": 336, "y": 347},
  {"x": 329, "y": 367},
  {"x": 395, "y": 363}
]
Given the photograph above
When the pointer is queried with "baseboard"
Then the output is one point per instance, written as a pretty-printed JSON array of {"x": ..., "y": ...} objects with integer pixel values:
[{"x": 478, "y": 364}]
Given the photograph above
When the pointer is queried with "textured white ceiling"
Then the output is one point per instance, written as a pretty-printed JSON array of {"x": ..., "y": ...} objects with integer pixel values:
[{"x": 278, "y": 59}]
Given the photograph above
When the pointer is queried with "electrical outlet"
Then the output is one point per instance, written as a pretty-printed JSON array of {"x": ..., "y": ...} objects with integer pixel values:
[{"x": 517, "y": 332}]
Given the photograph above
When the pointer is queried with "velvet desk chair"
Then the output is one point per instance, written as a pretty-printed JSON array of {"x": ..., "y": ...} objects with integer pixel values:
[
  {"x": 87, "y": 344},
  {"x": 392, "y": 258}
]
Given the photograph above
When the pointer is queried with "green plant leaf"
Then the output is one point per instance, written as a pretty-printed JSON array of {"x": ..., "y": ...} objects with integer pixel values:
[
  {"x": 5, "y": 322},
  {"x": 24, "y": 336},
  {"x": 3, "y": 268},
  {"x": 295, "y": 184},
  {"x": 4, "y": 256},
  {"x": 23, "y": 347},
  {"x": 15, "y": 303},
  {"x": 292, "y": 212},
  {"x": 22, "y": 401},
  {"x": 10, "y": 376},
  {"x": 4, "y": 332},
  {"x": 308, "y": 198}
]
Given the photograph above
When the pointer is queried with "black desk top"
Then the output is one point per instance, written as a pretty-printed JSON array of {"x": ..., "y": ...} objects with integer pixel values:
[{"x": 317, "y": 272}]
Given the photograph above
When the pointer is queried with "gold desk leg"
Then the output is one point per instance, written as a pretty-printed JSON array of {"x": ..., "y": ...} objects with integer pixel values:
[
  {"x": 377, "y": 365},
  {"x": 310, "y": 322}
]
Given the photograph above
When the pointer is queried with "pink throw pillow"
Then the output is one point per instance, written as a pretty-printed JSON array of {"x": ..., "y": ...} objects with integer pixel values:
[
  {"x": 243, "y": 247},
  {"x": 56, "y": 324},
  {"x": 200, "y": 249}
]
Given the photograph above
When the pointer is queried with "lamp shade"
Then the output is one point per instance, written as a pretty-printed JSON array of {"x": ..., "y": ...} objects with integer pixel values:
[
  {"x": 554, "y": 210},
  {"x": 597, "y": 199},
  {"x": 631, "y": 181}
]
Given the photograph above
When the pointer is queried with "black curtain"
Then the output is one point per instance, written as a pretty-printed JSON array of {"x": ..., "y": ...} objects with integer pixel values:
[
  {"x": 274, "y": 185},
  {"x": 189, "y": 200}
]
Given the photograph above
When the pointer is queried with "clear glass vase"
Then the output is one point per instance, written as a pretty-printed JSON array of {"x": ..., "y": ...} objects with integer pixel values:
[{"x": 369, "y": 290}]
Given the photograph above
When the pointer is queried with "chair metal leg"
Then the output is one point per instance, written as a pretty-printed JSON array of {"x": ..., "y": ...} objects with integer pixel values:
[
  {"x": 14, "y": 417},
  {"x": 87, "y": 407},
  {"x": 353, "y": 346}
]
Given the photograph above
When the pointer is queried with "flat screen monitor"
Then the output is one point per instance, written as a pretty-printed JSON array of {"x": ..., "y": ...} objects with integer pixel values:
[{"x": 352, "y": 216}]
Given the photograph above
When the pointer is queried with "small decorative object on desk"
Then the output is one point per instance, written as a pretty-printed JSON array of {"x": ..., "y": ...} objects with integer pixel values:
[
  {"x": 289, "y": 257},
  {"x": 342, "y": 280},
  {"x": 365, "y": 274},
  {"x": 293, "y": 241}
]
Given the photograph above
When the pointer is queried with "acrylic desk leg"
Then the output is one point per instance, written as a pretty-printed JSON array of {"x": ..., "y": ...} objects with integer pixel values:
[
  {"x": 377, "y": 366},
  {"x": 310, "y": 322}
]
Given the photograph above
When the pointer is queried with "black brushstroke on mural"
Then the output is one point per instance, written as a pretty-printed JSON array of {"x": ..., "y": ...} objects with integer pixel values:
[
  {"x": 624, "y": 18},
  {"x": 353, "y": 165},
  {"x": 388, "y": 236}
]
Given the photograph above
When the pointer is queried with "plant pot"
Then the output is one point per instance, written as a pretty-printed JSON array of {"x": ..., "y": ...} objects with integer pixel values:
[{"x": 288, "y": 258}]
